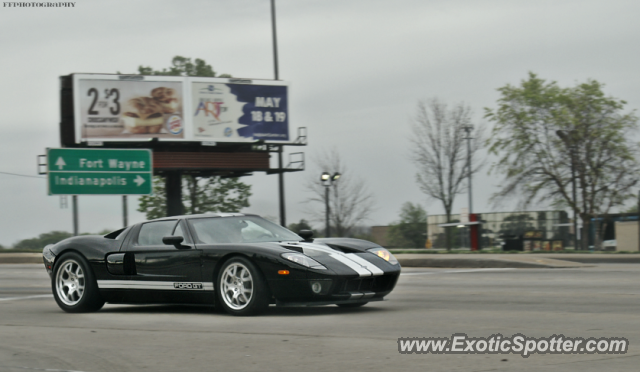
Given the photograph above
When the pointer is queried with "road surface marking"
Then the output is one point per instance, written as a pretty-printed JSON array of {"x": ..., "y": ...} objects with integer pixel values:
[
  {"x": 457, "y": 271},
  {"x": 25, "y": 298}
]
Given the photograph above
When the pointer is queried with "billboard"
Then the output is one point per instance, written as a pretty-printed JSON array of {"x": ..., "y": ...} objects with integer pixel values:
[{"x": 175, "y": 108}]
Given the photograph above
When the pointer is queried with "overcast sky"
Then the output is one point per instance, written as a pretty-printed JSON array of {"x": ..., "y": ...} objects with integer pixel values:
[{"x": 357, "y": 69}]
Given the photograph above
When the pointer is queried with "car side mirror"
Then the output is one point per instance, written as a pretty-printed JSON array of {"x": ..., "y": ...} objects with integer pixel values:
[
  {"x": 176, "y": 241},
  {"x": 306, "y": 235}
]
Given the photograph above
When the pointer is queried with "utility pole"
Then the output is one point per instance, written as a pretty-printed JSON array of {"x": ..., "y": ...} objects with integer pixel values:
[
  {"x": 283, "y": 217},
  {"x": 564, "y": 136},
  {"x": 474, "y": 230},
  {"x": 468, "y": 129}
]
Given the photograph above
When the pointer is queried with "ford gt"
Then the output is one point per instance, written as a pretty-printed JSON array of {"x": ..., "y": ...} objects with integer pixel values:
[{"x": 240, "y": 262}]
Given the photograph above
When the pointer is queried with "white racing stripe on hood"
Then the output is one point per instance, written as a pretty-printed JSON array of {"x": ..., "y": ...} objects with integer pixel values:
[
  {"x": 351, "y": 260},
  {"x": 375, "y": 270},
  {"x": 352, "y": 264}
]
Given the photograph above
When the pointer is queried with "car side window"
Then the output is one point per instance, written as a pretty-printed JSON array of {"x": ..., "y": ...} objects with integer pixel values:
[
  {"x": 151, "y": 233},
  {"x": 178, "y": 231},
  {"x": 256, "y": 233},
  {"x": 218, "y": 230}
]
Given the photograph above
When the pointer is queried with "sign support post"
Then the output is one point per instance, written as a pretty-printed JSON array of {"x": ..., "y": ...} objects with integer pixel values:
[
  {"x": 125, "y": 221},
  {"x": 74, "y": 202}
]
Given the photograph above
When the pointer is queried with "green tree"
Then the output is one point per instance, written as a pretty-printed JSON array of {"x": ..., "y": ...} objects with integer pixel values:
[
  {"x": 200, "y": 195},
  {"x": 542, "y": 129},
  {"x": 213, "y": 194},
  {"x": 42, "y": 240},
  {"x": 410, "y": 231},
  {"x": 182, "y": 66},
  {"x": 154, "y": 206},
  {"x": 301, "y": 225}
]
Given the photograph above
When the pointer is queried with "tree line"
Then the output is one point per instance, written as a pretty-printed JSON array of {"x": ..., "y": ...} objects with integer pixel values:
[
  {"x": 547, "y": 140},
  {"x": 566, "y": 147}
]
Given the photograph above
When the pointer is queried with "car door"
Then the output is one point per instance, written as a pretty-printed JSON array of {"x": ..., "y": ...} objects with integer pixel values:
[{"x": 161, "y": 272}]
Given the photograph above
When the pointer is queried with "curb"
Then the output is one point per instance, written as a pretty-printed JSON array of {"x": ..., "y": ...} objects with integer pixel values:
[
  {"x": 488, "y": 263},
  {"x": 21, "y": 258}
]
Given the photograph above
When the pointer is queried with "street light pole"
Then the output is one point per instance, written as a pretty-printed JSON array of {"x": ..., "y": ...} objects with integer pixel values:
[
  {"x": 327, "y": 181},
  {"x": 564, "y": 136},
  {"x": 327, "y": 212},
  {"x": 275, "y": 39}
]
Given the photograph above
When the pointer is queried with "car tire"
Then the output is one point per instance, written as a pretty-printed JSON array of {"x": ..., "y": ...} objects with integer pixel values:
[
  {"x": 351, "y": 306},
  {"x": 241, "y": 288},
  {"x": 74, "y": 286}
]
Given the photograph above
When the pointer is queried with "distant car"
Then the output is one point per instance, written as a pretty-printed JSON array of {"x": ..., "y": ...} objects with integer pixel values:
[{"x": 240, "y": 262}]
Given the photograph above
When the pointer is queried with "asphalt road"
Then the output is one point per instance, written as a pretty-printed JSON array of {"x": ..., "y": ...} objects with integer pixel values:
[{"x": 601, "y": 301}]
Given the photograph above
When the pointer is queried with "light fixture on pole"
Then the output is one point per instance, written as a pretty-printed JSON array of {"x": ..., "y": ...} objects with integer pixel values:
[
  {"x": 565, "y": 137},
  {"x": 328, "y": 180}
]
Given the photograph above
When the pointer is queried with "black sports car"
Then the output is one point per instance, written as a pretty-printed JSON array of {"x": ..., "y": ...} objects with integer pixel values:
[{"x": 241, "y": 262}]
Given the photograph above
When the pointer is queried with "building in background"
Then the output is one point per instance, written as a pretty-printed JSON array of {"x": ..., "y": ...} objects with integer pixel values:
[{"x": 497, "y": 226}]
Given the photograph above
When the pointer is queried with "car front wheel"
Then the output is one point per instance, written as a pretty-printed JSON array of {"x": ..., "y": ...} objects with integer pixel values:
[
  {"x": 74, "y": 286},
  {"x": 241, "y": 288}
]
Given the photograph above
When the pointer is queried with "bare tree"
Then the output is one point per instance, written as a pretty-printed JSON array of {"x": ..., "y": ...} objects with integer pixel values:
[
  {"x": 439, "y": 150},
  {"x": 350, "y": 200}
]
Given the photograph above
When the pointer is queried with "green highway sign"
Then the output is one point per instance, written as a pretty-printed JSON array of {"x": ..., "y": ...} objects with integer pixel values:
[{"x": 99, "y": 172}]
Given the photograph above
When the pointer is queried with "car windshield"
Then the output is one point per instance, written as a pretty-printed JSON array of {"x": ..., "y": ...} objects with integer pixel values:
[{"x": 245, "y": 229}]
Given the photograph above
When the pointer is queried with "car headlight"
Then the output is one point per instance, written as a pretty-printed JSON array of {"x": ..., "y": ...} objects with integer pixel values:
[
  {"x": 304, "y": 260},
  {"x": 384, "y": 254}
]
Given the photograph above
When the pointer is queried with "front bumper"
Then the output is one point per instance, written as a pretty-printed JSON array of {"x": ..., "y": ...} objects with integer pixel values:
[
  {"x": 320, "y": 303},
  {"x": 48, "y": 259},
  {"x": 335, "y": 289}
]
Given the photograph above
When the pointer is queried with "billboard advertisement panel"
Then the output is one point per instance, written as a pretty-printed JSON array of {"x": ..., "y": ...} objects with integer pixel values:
[
  {"x": 239, "y": 111},
  {"x": 115, "y": 109},
  {"x": 174, "y": 108}
]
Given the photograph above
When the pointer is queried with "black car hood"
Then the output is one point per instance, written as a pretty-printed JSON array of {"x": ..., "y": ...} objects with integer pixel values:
[{"x": 343, "y": 261}]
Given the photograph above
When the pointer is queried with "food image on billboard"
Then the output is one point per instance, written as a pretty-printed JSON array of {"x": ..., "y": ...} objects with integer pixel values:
[
  {"x": 227, "y": 111},
  {"x": 179, "y": 108},
  {"x": 115, "y": 109}
]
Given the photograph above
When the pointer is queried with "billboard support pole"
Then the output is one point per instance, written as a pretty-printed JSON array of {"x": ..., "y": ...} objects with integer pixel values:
[
  {"x": 74, "y": 202},
  {"x": 173, "y": 183}
]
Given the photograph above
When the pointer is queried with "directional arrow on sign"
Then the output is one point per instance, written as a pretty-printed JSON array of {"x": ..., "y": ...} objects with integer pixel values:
[
  {"x": 139, "y": 180},
  {"x": 60, "y": 163}
]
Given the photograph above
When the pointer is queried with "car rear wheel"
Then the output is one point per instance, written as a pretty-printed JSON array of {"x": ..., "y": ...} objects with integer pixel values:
[
  {"x": 241, "y": 288},
  {"x": 74, "y": 286}
]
